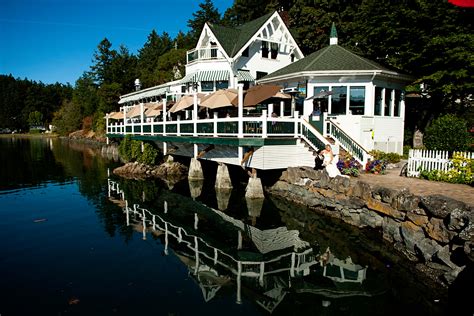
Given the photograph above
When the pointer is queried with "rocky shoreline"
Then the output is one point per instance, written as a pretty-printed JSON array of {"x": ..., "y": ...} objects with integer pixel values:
[{"x": 435, "y": 232}]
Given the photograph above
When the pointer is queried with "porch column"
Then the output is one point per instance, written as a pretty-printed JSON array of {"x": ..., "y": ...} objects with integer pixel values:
[
  {"x": 215, "y": 124},
  {"x": 240, "y": 88},
  {"x": 264, "y": 123},
  {"x": 282, "y": 108},
  {"x": 124, "y": 120},
  {"x": 142, "y": 117},
  {"x": 178, "y": 126},
  {"x": 270, "y": 110}
]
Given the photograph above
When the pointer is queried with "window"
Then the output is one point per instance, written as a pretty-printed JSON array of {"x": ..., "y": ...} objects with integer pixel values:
[
  {"x": 183, "y": 89},
  {"x": 398, "y": 100},
  {"x": 378, "y": 101},
  {"x": 274, "y": 50},
  {"x": 261, "y": 74},
  {"x": 292, "y": 56},
  {"x": 265, "y": 49},
  {"x": 222, "y": 84},
  {"x": 322, "y": 102},
  {"x": 357, "y": 100},
  {"x": 388, "y": 102},
  {"x": 245, "y": 52},
  {"x": 207, "y": 85},
  {"x": 338, "y": 100}
]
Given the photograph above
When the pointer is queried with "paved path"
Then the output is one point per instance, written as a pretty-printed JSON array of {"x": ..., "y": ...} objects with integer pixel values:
[{"x": 392, "y": 179}]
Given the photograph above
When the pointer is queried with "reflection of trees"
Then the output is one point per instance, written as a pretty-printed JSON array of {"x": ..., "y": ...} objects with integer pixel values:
[{"x": 28, "y": 162}]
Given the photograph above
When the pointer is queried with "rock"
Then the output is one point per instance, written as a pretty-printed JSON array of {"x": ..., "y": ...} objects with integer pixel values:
[
  {"x": 370, "y": 218},
  {"x": 435, "y": 229},
  {"x": 384, "y": 194},
  {"x": 420, "y": 220},
  {"x": 450, "y": 276},
  {"x": 339, "y": 184},
  {"x": 223, "y": 178},
  {"x": 281, "y": 186},
  {"x": 467, "y": 233},
  {"x": 428, "y": 248},
  {"x": 445, "y": 256},
  {"x": 412, "y": 235},
  {"x": 195, "y": 170},
  {"x": 384, "y": 209},
  {"x": 405, "y": 201},
  {"x": 391, "y": 230},
  {"x": 440, "y": 206},
  {"x": 459, "y": 218},
  {"x": 362, "y": 190}
]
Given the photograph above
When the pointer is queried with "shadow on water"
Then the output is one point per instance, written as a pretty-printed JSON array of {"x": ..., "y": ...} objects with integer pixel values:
[{"x": 183, "y": 250}]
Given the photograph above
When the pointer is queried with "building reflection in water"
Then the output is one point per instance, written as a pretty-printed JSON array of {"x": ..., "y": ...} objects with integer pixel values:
[{"x": 268, "y": 262}]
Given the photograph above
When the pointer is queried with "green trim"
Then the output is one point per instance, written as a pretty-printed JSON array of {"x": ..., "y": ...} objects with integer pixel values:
[
  {"x": 333, "y": 30},
  {"x": 230, "y": 141}
]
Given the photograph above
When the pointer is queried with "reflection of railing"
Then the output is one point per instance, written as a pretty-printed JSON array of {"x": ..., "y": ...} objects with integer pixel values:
[
  {"x": 348, "y": 143},
  {"x": 289, "y": 254}
]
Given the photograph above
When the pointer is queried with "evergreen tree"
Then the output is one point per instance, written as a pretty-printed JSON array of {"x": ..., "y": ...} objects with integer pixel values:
[
  {"x": 101, "y": 68},
  {"x": 206, "y": 13},
  {"x": 148, "y": 56}
]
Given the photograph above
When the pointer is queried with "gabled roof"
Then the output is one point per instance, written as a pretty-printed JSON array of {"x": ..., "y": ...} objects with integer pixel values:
[
  {"x": 330, "y": 58},
  {"x": 233, "y": 39}
]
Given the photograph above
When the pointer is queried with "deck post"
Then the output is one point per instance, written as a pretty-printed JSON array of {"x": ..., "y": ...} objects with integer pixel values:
[
  {"x": 223, "y": 177},
  {"x": 240, "y": 88},
  {"x": 178, "y": 126},
  {"x": 164, "y": 114},
  {"x": 264, "y": 123},
  {"x": 195, "y": 170},
  {"x": 142, "y": 118},
  {"x": 239, "y": 275},
  {"x": 215, "y": 124},
  {"x": 195, "y": 116},
  {"x": 165, "y": 148},
  {"x": 124, "y": 120},
  {"x": 296, "y": 118},
  {"x": 282, "y": 108}
]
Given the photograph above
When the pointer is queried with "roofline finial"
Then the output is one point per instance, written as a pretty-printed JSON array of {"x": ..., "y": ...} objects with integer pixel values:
[{"x": 333, "y": 35}]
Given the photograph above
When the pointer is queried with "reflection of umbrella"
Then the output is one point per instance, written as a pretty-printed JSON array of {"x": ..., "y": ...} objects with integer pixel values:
[
  {"x": 184, "y": 103},
  {"x": 219, "y": 99},
  {"x": 116, "y": 115},
  {"x": 259, "y": 93},
  {"x": 321, "y": 94}
]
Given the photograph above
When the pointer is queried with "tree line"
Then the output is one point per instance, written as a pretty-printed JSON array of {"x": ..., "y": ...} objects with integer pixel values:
[{"x": 430, "y": 40}]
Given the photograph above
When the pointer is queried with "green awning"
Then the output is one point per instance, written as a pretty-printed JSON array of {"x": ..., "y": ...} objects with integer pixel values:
[
  {"x": 244, "y": 75},
  {"x": 213, "y": 75},
  {"x": 147, "y": 93}
]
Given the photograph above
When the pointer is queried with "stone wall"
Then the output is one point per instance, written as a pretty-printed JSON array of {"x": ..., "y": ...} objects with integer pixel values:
[{"x": 435, "y": 230}]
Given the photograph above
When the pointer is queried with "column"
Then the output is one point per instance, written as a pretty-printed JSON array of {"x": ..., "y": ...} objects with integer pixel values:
[
  {"x": 142, "y": 118},
  {"x": 240, "y": 88},
  {"x": 164, "y": 114},
  {"x": 282, "y": 108},
  {"x": 195, "y": 116}
]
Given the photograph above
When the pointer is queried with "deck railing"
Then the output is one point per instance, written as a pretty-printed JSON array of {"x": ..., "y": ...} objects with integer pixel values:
[
  {"x": 203, "y": 54},
  {"x": 348, "y": 143}
]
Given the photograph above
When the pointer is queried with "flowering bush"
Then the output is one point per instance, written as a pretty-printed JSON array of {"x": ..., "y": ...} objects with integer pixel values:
[
  {"x": 461, "y": 171},
  {"x": 376, "y": 166},
  {"x": 349, "y": 166}
]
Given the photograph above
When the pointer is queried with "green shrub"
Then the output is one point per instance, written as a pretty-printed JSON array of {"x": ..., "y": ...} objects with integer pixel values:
[
  {"x": 388, "y": 157},
  {"x": 130, "y": 150},
  {"x": 406, "y": 151},
  {"x": 149, "y": 155},
  {"x": 447, "y": 132}
]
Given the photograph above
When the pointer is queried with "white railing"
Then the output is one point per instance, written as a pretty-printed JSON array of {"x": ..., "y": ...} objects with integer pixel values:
[
  {"x": 203, "y": 54},
  {"x": 429, "y": 160}
]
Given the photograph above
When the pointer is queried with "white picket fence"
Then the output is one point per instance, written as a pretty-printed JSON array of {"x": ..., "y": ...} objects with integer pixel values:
[{"x": 429, "y": 160}]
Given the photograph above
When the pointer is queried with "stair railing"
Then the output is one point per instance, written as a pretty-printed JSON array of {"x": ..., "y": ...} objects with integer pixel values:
[
  {"x": 311, "y": 136},
  {"x": 357, "y": 151}
]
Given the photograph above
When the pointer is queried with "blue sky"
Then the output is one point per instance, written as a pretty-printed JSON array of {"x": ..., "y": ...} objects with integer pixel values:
[{"x": 54, "y": 40}]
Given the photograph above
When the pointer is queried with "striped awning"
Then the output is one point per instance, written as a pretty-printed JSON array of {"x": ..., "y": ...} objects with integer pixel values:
[
  {"x": 147, "y": 93},
  {"x": 244, "y": 75},
  {"x": 206, "y": 75}
]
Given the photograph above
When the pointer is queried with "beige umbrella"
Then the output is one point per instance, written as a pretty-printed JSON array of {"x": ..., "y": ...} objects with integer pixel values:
[
  {"x": 184, "y": 103},
  {"x": 116, "y": 115},
  {"x": 281, "y": 95},
  {"x": 220, "y": 98},
  {"x": 134, "y": 112},
  {"x": 259, "y": 93},
  {"x": 153, "y": 109}
]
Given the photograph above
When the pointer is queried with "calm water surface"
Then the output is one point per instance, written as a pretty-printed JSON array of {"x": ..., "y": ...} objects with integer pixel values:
[{"x": 75, "y": 241}]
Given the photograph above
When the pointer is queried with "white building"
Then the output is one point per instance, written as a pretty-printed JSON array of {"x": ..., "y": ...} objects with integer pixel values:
[{"x": 357, "y": 98}]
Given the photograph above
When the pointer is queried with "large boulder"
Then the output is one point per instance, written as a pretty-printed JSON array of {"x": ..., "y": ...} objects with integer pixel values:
[
  {"x": 412, "y": 235},
  {"x": 405, "y": 201},
  {"x": 435, "y": 229},
  {"x": 391, "y": 230},
  {"x": 441, "y": 206}
]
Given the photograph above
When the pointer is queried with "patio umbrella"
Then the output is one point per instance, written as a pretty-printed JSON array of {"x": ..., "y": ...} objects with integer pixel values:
[
  {"x": 116, "y": 115},
  {"x": 154, "y": 110},
  {"x": 134, "y": 112},
  {"x": 321, "y": 94},
  {"x": 259, "y": 93},
  {"x": 184, "y": 103},
  {"x": 281, "y": 95},
  {"x": 219, "y": 99}
]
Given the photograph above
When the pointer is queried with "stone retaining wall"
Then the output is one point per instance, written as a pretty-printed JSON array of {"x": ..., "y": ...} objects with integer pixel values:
[{"x": 435, "y": 230}]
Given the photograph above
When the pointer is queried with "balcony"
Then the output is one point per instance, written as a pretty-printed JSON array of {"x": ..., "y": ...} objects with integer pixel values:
[{"x": 195, "y": 55}]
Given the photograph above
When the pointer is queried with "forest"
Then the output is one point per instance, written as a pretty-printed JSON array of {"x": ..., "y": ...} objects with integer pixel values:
[{"x": 430, "y": 40}]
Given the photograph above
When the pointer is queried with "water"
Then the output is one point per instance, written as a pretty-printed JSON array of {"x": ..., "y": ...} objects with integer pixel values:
[{"x": 76, "y": 241}]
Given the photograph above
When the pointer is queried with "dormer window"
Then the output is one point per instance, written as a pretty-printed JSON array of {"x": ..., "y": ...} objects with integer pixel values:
[{"x": 269, "y": 49}]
